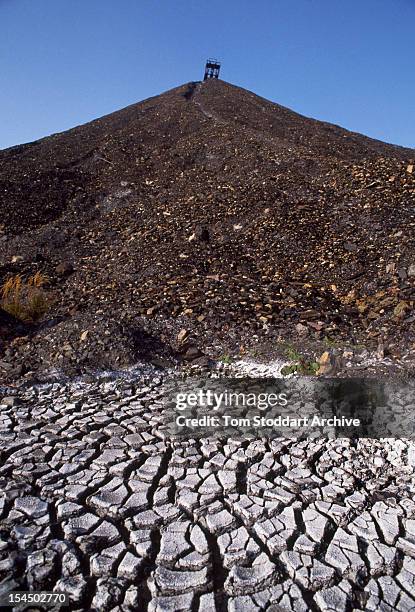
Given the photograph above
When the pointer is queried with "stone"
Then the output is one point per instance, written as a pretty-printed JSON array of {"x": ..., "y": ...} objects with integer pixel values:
[
  {"x": 301, "y": 329},
  {"x": 182, "y": 335},
  {"x": 326, "y": 363},
  {"x": 65, "y": 268},
  {"x": 192, "y": 353}
]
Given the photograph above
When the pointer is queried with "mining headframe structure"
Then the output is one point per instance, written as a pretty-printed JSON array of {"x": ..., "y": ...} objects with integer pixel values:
[{"x": 212, "y": 69}]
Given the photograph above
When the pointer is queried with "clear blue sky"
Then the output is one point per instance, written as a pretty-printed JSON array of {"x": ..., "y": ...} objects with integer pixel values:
[{"x": 65, "y": 62}]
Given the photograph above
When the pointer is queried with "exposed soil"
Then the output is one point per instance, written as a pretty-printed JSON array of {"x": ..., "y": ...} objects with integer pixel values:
[{"x": 208, "y": 221}]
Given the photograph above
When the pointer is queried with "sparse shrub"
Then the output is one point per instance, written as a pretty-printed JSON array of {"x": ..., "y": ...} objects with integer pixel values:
[
  {"x": 226, "y": 359},
  {"x": 291, "y": 353},
  {"x": 26, "y": 299},
  {"x": 302, "y": 367},
  {"x": 299, "y": 363}
]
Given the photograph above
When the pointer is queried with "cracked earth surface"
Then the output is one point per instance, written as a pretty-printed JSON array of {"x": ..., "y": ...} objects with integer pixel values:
[{"x": 95, "y": 502}]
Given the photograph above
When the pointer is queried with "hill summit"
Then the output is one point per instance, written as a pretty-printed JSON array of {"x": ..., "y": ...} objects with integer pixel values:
[{"x": 204, "y": 221}]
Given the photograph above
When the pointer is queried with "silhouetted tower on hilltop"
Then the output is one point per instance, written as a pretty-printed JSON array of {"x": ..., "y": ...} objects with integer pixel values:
[{"x": 212, "y": 69}]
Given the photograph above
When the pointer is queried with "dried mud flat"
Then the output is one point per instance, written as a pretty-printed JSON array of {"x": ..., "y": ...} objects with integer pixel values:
[{"x": 96, "y": 502}]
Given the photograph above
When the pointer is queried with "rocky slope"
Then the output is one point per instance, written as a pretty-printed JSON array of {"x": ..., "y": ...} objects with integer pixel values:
[{"x": 207, "y": 220}]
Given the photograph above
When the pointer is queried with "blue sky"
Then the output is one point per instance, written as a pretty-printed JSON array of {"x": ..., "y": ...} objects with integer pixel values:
[{"x": 65, "y": 62}]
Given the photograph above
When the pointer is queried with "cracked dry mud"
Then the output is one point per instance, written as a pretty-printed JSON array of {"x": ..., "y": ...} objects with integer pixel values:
[{"x": 97, "y": 503}]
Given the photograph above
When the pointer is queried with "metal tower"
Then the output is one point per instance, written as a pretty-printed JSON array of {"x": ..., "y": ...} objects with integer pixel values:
[{"x": 212, "y": 69}]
